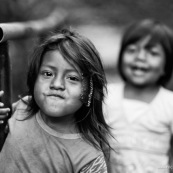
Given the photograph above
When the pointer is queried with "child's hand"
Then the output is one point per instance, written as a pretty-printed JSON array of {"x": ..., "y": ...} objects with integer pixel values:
[{"x": 3, "y": 111}]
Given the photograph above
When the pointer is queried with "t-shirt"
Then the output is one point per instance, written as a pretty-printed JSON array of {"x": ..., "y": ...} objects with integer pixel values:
[
  {"x": 142, "y": 131},
  {"x": 33, "y": 147}
]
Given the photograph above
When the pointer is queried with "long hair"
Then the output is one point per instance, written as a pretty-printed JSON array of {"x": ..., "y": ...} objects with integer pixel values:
[
  {"x": 159, "y": 34},
  {"x": 79, "y": 51}
]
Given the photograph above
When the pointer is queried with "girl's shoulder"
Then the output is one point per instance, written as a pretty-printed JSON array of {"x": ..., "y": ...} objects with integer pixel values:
[
  {"x": 115, "y": 86},
  {"x": 82, "y": 153},
  {"x": 19, "y": 108},
  {"x": 21, "y": 104},
  {"x": 18, "y": 116},
  {"x": 166, "y": 93},
  {"x": 115, "y": 91}
]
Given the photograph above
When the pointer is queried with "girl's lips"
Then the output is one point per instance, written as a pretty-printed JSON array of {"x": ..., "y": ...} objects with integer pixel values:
[
  {"x": 140, "y": 68},
  {"x": 56, "y": 95}
]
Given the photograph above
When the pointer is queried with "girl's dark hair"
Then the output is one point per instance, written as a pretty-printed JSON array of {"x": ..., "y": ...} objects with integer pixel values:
[
  {"x": 80, "y": 51},
  {"x": 159, "y": 33}
]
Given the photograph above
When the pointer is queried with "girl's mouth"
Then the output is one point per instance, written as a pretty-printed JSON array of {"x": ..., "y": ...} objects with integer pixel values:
[
  {"x": 55, "y": 96},
  {"x": 139, "y": 70}
]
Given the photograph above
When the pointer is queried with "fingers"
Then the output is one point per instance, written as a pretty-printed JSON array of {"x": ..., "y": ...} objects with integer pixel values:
[
  {"x": 1, "y": 121},
  {"x": 4, "y": 112},
  {"x": 1, "y": 104},
  {"x": 1, "y": 93}
]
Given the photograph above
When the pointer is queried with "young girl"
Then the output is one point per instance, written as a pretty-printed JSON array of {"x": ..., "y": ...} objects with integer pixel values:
[
  {"x": 59, "y": 126},
  {"x": 140, "y": 109}
]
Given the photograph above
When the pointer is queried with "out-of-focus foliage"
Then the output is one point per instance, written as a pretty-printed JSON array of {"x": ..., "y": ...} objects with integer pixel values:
[
  {"x": 117, "y": 12},
  {"x": 123, "y": 11},
  {"x": 113, "y": 13}
]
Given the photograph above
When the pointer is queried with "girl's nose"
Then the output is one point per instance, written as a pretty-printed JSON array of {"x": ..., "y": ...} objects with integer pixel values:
[
  {"x": 141, "y": 55},
  {"x": 57, "y": 83}
]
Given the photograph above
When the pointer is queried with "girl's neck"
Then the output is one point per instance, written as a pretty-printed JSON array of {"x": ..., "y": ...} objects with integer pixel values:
[
  {"x": 64, "y": 124},
  {"x": 144, "y": 94}
]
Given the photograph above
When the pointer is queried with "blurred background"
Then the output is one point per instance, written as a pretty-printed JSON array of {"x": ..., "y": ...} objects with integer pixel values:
[{"x": 101, "y": 21}]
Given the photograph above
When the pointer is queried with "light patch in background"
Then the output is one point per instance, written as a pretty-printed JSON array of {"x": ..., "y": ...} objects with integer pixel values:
[{"x": 107, "y": 41}]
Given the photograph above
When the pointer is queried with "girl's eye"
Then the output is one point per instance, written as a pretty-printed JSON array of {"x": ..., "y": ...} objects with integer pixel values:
[
  {"x": 154, "y": 52},
  {"x": 47, "y": 74},
  {"x": 73, "y": 78},
  {"x": 131, "y": 49}
]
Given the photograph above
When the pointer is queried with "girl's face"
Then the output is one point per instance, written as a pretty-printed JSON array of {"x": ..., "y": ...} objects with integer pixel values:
[
  {"x": 58, "y": 86},
  {"x": 143, "y": 65}
]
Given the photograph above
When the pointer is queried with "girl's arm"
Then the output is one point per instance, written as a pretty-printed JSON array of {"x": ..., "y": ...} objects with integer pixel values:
[
  {"x": 98, "y": 165},
  {"x": 3, "y": 111}
]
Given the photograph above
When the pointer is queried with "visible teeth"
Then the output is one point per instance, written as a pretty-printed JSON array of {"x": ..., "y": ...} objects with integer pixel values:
[
  {"x": 138, "y": 71},
  {"x": 139, "y": 68}
]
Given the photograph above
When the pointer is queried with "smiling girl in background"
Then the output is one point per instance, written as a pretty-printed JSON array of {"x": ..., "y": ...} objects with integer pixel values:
[
  {"x": 140, "y": 110},
  {"x": 60, "y": 126}
]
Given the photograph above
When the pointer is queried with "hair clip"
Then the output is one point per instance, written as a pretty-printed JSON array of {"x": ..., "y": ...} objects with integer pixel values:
[
  {"x": 86, "y": 99},
  {"x": 90, "y": 94}
]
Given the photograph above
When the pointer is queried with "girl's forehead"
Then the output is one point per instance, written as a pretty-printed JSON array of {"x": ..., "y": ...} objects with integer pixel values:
[
  {"x": 74, "y": 65},
  {"x": 56, "y": 59},
  {"x": 74, "y": 61},
  {"x": 147, "y": 41}
]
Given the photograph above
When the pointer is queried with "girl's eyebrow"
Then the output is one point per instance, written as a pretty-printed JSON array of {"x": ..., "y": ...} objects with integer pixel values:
[{"x": 68, "y": 70}]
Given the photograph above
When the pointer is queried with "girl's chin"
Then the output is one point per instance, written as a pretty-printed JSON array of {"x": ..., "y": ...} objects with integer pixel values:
[{"x": 139, "y": 83}]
